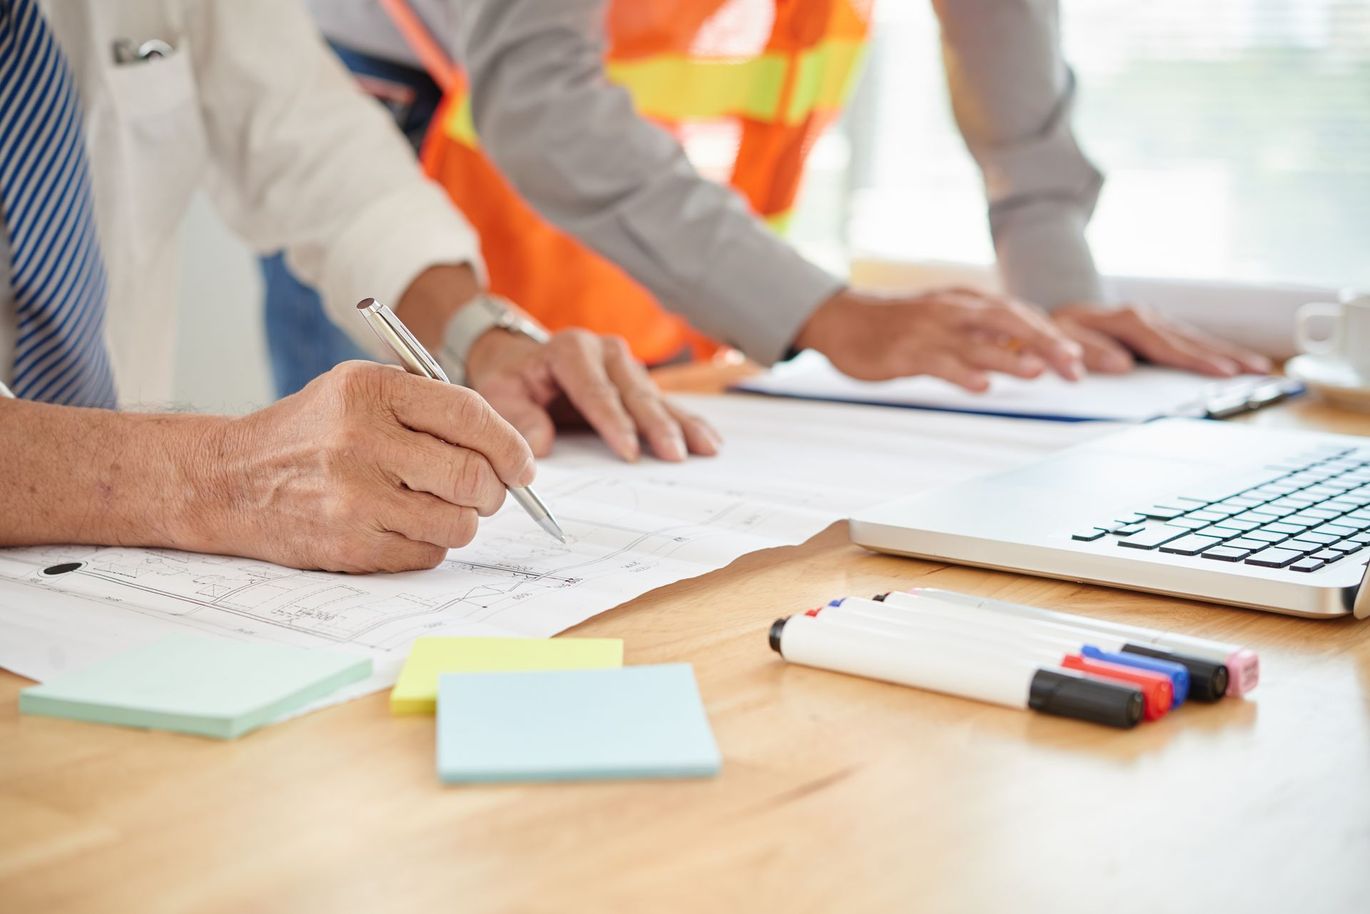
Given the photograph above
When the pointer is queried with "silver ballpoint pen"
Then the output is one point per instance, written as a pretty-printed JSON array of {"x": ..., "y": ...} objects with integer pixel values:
[
  {"x": 417, "y": 360},
  {"x": 5, "y": 391}
]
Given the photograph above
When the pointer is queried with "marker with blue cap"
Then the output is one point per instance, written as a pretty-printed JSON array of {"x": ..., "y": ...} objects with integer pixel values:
[{"x": 1010, "y": 631}]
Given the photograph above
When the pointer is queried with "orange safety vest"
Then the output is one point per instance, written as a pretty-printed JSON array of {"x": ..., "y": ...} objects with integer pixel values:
[{"x": 770, "y": 74}]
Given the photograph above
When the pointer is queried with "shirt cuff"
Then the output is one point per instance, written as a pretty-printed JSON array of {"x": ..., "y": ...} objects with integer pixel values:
[
  {"x": 1045, "y": 260},
  {"x": 761, "y": 293},
  {"x": 385, "y": 249}
]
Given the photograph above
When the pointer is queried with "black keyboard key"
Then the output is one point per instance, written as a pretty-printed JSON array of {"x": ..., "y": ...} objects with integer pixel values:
[
  {"x": 1274, "y": 558},
  {"x": 1154, "y": 535},
  {"x": 1088, "y": 536},
  {"x": 1266, "y": 536},
  {"x": 1306, "y": 565},
  {"x": 1227, "y": 554},
  {"x": 1190, "y": 545}
]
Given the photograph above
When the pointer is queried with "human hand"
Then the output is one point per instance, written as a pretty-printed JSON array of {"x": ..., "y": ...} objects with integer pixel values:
[
  {"x": 579, "y": 377},
  {"x": 956, "y": 334},
  {"x": 366, "y": 469},
  {"x": 1112, "y": 337}
]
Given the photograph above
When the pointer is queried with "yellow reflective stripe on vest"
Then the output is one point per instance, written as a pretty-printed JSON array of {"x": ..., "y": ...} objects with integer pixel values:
[
  {"x": 677, "y": 88},
  {"x": 826, "y": 76},
  {"x": 673, "y": 87}
]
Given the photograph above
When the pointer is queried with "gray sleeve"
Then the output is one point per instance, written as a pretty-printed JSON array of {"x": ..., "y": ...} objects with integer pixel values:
[
  {"x": 1012, "y": 93},
  {"x": 571, "y": 143}
]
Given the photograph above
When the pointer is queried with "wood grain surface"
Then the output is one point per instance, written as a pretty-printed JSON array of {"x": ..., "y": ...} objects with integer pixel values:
[{"x": 837, "y": 794}]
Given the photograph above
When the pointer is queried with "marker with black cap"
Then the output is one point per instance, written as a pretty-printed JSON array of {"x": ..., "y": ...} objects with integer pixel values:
[
  {"x": 1215, "y": 669},
  {"x": 968, "y": 672}
]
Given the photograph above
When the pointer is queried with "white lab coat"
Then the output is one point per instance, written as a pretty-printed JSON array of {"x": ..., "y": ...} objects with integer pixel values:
[{"x": 253, "y": 107}]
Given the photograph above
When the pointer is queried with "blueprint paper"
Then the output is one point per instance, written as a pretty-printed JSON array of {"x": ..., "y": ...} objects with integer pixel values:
[{"x": 788, "y": 470}]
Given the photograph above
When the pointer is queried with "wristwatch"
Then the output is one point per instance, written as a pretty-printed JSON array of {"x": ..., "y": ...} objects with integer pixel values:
[{"x": 483, "y": 313}]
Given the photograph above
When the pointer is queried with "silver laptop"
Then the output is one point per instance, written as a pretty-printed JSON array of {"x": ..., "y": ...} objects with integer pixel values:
[{"x": 1272, "y": 519}]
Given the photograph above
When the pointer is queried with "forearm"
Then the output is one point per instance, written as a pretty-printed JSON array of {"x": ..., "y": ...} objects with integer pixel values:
[
  {"x": 98, "y": 477},
  {"x": 575, "y": 147},
  {"x": 1012, "y": 95}
]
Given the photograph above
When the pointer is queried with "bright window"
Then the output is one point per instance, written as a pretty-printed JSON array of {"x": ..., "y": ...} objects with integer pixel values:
[{"x": 1235, "y": 135}]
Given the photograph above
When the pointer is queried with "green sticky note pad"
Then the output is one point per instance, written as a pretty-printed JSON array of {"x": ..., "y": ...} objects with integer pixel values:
[
  {"x": 632, "y": 722},
  {"x": 207, "y": 686},
  {"x": 416, "y": 691}
]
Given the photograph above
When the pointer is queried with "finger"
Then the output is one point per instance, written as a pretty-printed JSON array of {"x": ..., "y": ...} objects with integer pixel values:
[
  {"x": 577, "y": 361},
  {"x": 1156, "y": 344},
  {"x": 643, "y": 400},
  {"x": 460, "y": 417},
  {"x": 700, "y": 437},
  {"x": 422, "y": 463},
  {"x": 515, "y": 400},
  {"x": 1247, "y": 360},
  {"x": 384, "y": 552},
  {"x": 1034, "y": 331},
  {"x": 993, "y": 355},
  {"x": 1101, "y": 352},
  {"x": 425, "y": 518},
  {"x": 950, "y": 368}
]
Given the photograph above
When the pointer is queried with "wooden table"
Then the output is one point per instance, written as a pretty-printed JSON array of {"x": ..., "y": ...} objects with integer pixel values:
[{"x": 837, "y": 794}]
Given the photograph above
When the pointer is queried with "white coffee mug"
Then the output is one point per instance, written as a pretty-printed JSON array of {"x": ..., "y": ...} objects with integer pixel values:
[{"x": 1349, "y": 338}]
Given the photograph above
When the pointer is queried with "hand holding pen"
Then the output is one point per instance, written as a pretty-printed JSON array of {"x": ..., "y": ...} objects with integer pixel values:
[{"x": 418, "y": 361}]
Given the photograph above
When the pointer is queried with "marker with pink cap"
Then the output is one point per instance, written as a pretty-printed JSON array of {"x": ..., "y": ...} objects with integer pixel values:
[{"x": 1243, "y": 665}]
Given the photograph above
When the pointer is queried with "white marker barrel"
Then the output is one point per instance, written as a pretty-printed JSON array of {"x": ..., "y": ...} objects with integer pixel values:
[
  {"x": 1242, "y": 664},
  {"x": 964, "y": 671}
]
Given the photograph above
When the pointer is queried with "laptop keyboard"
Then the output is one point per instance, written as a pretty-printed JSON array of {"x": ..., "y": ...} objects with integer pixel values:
[{"x": 1300, "y": 516}]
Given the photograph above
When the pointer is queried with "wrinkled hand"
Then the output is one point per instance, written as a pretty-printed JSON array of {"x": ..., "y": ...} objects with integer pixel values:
[
  {"x": 366, "y": 469},
  {"x": 959, "y": 335},
  {"x": 1112, "y": 337},
  {"x": 581, "y": 378}
]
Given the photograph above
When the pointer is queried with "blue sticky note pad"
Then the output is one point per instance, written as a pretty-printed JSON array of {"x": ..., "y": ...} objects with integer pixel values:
[
  {"x": 629, "y": 722},
  {"x": 207, "y": 686}
]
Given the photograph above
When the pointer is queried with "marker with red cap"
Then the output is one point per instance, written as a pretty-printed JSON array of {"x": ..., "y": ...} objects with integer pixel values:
[
  {"x": 959, "y": 669},
  {"x": 929, "y": 635},
  {"x": 1242, "y": 664},
  {"x": 982, "y": 624}
]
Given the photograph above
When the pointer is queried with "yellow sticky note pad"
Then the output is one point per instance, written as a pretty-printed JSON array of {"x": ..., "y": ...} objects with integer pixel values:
[{"x": 416, "y": 691}]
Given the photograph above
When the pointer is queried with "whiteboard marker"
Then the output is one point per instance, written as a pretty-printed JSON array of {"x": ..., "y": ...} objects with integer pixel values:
[
  {"x": 1243, "y": 665},
  {"x": 930, "y": 634},
  {"x": 967, "y": 673},
  {"x": 982, "y": 623}
]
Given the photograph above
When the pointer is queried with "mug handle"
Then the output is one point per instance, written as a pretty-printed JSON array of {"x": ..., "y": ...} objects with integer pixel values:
[{"x": 1309, "y": 313}]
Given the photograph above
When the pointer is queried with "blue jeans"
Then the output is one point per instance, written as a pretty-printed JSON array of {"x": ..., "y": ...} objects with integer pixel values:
[{"x": 301, "y": 340}]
